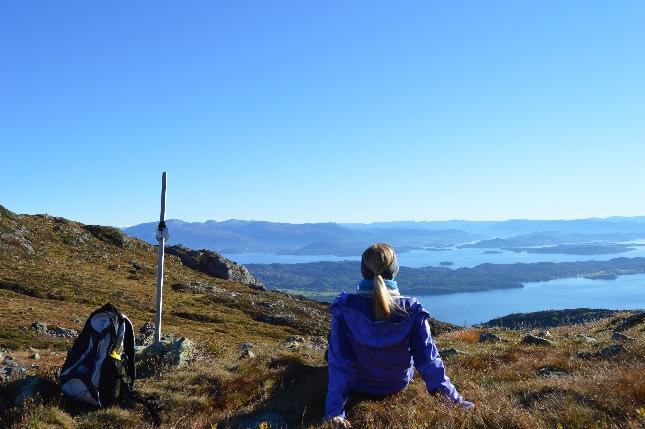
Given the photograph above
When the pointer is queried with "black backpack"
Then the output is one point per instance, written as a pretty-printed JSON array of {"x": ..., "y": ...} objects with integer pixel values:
[{"x": 100, "y": 366}]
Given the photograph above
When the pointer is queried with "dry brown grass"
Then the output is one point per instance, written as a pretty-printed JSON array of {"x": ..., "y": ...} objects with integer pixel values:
[{"x": 465, "y": 335}]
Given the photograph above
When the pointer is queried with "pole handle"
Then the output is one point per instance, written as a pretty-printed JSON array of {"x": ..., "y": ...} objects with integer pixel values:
[{"x": 162, "y": 217}]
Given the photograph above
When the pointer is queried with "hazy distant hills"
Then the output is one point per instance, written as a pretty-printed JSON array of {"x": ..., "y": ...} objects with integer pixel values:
[
  {"x": 238, "y": 236},
  {"x": 507, "y": 228},
  {"x": 551, "y": 238}
]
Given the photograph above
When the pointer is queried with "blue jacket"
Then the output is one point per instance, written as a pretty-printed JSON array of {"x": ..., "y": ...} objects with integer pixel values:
[{"x": 378, "y": 357}]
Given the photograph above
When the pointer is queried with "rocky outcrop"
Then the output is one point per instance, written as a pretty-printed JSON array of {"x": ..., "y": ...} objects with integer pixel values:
[
  {"x": 621, "y": 337},
  {"x": 10, "y": 369},
  {"x": 631, "y": 321},
  {"x": 537, "y": 341},
  {"x": 449, "y": 353},
  {"x": 214, "y": 264},
  {"x": 56, "y": 331},
  {"x": 488, "y": 337},
  {"x": 551, "y": 371},
  {"x": 549, "y": 318},
  {"x": 613, "y": 350},
  {"x": 109, "y": 235}
]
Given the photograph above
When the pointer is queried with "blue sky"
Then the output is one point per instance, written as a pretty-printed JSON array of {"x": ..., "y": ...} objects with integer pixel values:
[{"x": 323, "y": 111}]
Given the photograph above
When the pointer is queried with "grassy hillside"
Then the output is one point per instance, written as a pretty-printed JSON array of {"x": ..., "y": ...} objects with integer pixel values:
[{"x": 57, "y": 271}]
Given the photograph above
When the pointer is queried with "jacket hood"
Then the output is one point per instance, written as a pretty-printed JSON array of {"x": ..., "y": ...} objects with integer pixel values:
[{"x": 354, "y": 309}]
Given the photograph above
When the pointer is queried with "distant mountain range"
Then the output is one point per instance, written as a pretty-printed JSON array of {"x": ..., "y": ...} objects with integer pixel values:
[
  {"x": 349, "y": 239},
  {"x": 237, "y": 236}
]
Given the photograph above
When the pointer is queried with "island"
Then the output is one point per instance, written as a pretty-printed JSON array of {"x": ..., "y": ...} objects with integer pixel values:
[
  {"x": 323, "y": 280},
  {"x": 576, "y": 249}
]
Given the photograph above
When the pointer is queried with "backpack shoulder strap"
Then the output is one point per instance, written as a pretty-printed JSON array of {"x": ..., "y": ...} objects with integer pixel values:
[
  {"x": 136, "y": 397},
  {"x": 128, "y": 349}
]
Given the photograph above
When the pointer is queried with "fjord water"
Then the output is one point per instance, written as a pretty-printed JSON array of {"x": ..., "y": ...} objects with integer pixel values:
[
  {"x": 421, "y": 258},
  {"x": 622, "y": 293}
]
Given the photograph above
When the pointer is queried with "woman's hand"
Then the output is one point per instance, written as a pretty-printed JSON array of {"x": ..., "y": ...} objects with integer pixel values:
[
  {"x": 467, "y": 405},
  {"x": 340, "y": 422}
]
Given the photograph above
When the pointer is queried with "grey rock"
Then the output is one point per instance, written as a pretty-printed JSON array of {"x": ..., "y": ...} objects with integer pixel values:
[
  {"x": 59, "y": 332},
  {"x": 40, "y": 327},
  {"x": 276, "y": 319},
  {"x": 214, "y": 264},
  {"x": 544, "y": 334},
  {"x": 266, "y": 420},
  {"x": 319, "y": 343},
  {"x": 487, "y": 337},
  {"x": 247, "y": 354},
  {"x": 181, "y": 352},
  {"x": 551, "y": 371},
  {"x": 294, "y": 342},
  {"x": 613, "y": 350},
  {"x": 587, "y": 338},
  {"x": 10, "y": 369},
  {"x": 56, "y": 331},
  {"x": 176, "y": 353},
  {"x": 109, "y": 235},
  {"x": 451, "y": 352},
  {"x": 196, "y": 286},
  {"x": 27, "y": 388},
  {"x": 538, "y": 341},
  {"x": 296, "y": 339},
  {"x": 139, "y": 350},
  {"x": 17, "y": 238},
  {"x": 621, "y": 337},
  {"x": 146, "y": 334}
]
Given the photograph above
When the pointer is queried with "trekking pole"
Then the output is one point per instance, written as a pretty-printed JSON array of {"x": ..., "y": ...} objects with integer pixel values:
[{"x": 162, "y": 236}]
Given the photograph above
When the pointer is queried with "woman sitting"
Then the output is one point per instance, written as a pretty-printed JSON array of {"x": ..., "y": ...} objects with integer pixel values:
[{"x": 376, "y": 336}]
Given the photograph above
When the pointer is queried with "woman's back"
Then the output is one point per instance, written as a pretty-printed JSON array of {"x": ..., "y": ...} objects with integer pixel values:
[{"x": 379, "y": 350}]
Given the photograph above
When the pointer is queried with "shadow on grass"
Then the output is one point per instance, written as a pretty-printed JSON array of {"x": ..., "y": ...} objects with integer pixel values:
[{"x": 298, "y": 394}]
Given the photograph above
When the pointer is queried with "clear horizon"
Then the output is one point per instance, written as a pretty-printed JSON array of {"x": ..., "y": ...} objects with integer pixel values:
[
  {"x": 298, "y": 112},
  {"x": 337, "y": 222}
]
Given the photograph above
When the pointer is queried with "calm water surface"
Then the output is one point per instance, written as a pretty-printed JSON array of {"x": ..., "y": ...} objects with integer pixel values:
[
  {"x": 423, "y": 258},
  {"x": 625, "y": 292}
]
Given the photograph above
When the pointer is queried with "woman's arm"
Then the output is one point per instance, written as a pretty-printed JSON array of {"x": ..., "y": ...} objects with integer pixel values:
[
  {"x": 340, "y": 357},
  {"x": 337, "y": 393},
  {"x": 429, "y": 364}
]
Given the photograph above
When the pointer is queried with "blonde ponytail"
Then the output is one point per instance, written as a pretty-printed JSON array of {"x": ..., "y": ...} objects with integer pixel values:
[
  {"x": 382, "y": 299},
  {"x": 377, "y": 259}
]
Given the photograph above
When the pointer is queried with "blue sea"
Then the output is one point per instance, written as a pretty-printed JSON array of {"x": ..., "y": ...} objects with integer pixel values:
[
  {"x": 623, "y": 293},
  {"x": 423, "y": 258}
]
